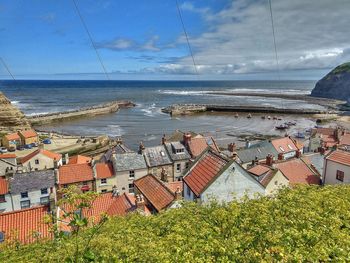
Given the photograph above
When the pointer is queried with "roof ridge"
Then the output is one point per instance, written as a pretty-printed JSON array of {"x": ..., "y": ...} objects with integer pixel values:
[{"x": 23, "y": 210}]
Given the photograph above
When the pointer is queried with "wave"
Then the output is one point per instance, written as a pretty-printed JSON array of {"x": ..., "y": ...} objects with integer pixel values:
[
  {"x": 151, "y": 111},
  {"x": 185, "y": 92},
  {"x": 115, "y": 130},
  {"x": 15, "y": 102}
]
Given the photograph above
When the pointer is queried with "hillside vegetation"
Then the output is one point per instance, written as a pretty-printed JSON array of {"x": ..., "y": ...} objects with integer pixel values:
[{"x": 304, "y": 224}]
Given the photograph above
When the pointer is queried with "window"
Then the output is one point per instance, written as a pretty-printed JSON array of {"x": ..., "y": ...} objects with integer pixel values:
[
  {"x": 104, "y": 181},
  {"x": 162, "y": 153},
  {"x": 104, "y": 191},
  {"x": 44, "y": 200},
  {"x": 2, "y": 199},
  {"x": 290, "y": 147},
  {"x": 65, "y": 186},
  {"x": 85, "y": 183},
  {"x": 132, "y": 174},
  {"x": 2, "y": 237},
  {"x": 282, "y": 149},
  {"x": 24, "y": 195},
  {"x": 188, "y": 191},
  {"x": 178, "y": 167},
  {"x": 44, "y": 191},
  {"x": 37, "y": 161},
  {"x": 340, "y": 176},
  {"x": 187, "y": 165},
  {"x": 25, "y": 204},
  {"x": 131, "y": 188}
]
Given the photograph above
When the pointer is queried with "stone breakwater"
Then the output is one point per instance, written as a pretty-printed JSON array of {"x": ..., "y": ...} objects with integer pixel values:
[
  {"x": 11, "y": 118},
  {"x": 100, "y": 109},
  {"x": 186, "y": 109}
]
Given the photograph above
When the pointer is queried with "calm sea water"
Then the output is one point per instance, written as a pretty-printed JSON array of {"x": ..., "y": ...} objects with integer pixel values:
[{"x": 146, "y": 122}]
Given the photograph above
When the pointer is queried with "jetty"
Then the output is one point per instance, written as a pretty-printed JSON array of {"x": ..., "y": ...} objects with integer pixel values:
[
  {"x": 100, "y": 109},
  {"x": 186, "y": 109}
]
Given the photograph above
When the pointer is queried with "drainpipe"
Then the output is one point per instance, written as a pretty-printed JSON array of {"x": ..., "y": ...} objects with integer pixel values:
[{"x": 13, "y": 208}]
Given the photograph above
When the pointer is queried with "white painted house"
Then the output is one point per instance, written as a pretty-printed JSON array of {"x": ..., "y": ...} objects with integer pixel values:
[
  {"x": 41, "y": 160},
  {"x": 336, "y": 168},
  {"x": 212, "y": 176}
]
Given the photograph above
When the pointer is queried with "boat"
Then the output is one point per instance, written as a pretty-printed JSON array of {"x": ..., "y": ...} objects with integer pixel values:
[
  {"x": 300, "y": 135},
  {"x": 236, "y": 115},
  {"x": 263, "y": 117},
  {"x": 290, "y": 123},
  {"x": 269, "y": 117},
  {"x": 282, "y": 127},
  {"x": 275, "y": 117},
  {"x": 249, "y": 116}
]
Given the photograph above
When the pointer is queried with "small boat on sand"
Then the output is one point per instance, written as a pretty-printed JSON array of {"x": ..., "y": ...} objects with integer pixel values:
[
  {"x": 263, "y": 117},
  {"x": 236, "y": 115},
  {"x": 269, "y": 117},
  {"x": 249, "y": 116},
  {"x": 282, "y": 127},
  {"x": 300, "y": 135}
]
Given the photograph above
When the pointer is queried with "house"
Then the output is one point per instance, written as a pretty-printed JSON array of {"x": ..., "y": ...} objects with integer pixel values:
[
  {"x": 324, "y": 138},
  {"x": 179, "y": 156},
  {"x": 213, "y": 176},
  {"x": 345, "y": 141},
  {"x": 11, "y": 140},
  {"x": 128, "y": 167},
  {"x": 315, "y": 160},
  {"x": 196, "y": 146},
  {"x": 179, "y": 135},
  {"x": 32, "y": 189},
  {"x": 79, "y": 175},
  {"x": 25, "y": 226},
  {"x": 253, "y": 154},
  {"x": 105, "y": 178},
  {"x": 155, "y": 194},
  {"x": 41, "y": 159},
  {"x": 286, "y": 148},
  {"x": 5, "y": 197},
  {"x": 337, "y": 168},
  {"x": 271, "y": 178},
  {"x": 298, "y": 171},
  {"x": 28, "y": 137},
  {"x": 120, "y": 148},
  {"x": 8, "y": 164},
  {"x": 159, "y": 163},
  {"x": 79, "y": 159}
]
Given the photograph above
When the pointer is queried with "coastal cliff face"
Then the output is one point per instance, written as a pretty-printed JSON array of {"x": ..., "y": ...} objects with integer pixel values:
[
  {"x": 11, "y": 118},
  {"x": 335, "y": 85}
]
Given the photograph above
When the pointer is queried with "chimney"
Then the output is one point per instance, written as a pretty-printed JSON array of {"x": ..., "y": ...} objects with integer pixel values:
[
  {"x": 66, "y": 158},
  {"x": 298, "y": 154},
  {"x": 115, "y": 191},
  {"x": 55, "y": 164},
  {"x": 256, "y": 160},
  {"x": 247, "y": 144},
  {"x": 187, "y": 138},
  {"x": 164, "y": 175},
  {"x": 141, "y": 148},
  {"x": 231, "y": 147},
  {"x": 163, "y": 139},
  {"x": 178, "y": 194},
  {"x": 269, "y": 160},
  {"x": 322, "y": 150},
  {"x": 140, "y": 203},
  {"x": 280, "y": 157}
]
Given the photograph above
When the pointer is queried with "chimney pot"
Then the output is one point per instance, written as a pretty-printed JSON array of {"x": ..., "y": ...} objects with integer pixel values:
[
  {"x": 269, "y": 159},
  {"x": 178, "y": 194},
  {"x": 280, "y": 156}
]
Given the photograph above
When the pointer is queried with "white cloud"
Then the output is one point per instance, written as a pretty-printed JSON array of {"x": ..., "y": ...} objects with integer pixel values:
[{"x": 128, "y": 44}]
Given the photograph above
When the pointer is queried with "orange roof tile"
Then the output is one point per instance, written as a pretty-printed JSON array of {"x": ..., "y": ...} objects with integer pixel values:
[
  {"x": 259, "y": 170},
  {"x": 157, "y": 194},
  {"x": 23, "y": 224},
  {"x": 51, "y": 155},
  {"x": 345, "y": 139},
  {"x": 4, "y": 187},
  {"x": 298, "y": 172},
  {"x": 12, "y": 137},
  {"x": 7, "y": 156},
  {"x": 104, "y": 170},
  {"x": 75, "y": 173},
  {"x": 284, "y": 145},
  {"x": 79, "y": 159},
  {"x": 173, "y": 186},
  {"x": 28, "y": 133},
  {"x": 325, "y": 131},
  {"x": 341, "y": 157},
  {"x": 204, "y": 171},
  {"x": 198, "y": 145}
]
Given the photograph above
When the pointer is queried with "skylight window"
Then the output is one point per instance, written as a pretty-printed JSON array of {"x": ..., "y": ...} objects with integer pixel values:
[
  {"x": 290, "y": 147},
  {"x": 162, "y": 153},
  {"x": 282, "y": 149}
]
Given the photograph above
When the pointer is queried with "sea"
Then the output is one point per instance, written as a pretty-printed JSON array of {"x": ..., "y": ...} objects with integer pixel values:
[{"x": 146, "y": 122}]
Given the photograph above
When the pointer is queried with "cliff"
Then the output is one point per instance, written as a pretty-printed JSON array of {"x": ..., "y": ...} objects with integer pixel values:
[
  {"x": 11, "y": 118},
  {"x": 335, "y": 85}
]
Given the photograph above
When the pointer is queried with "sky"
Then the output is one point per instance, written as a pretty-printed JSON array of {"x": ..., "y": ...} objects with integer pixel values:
[{"x": 230, "y": 39}]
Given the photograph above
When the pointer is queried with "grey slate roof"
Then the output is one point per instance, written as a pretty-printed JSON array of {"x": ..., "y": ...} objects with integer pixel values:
[
  {"x": 128, "y": 161},
  {"x": 157, "y": 156},
  {"x": 32, "y": 181},
  {"x": 178, "y": 136},
  {"x": 317, "y": 160},
  {"x": 118, "y": 149},
  {"x": 171, "y": 148},
  {"x": 260, "y": 150}
]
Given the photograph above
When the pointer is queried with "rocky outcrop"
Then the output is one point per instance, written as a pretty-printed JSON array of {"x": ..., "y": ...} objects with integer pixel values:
[
  {"x": 335, "y": 85},
  {"x": 11, "y": 118}
]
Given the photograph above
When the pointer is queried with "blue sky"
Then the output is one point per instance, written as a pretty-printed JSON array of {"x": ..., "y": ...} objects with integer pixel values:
[{"x": 144, "y": 39}]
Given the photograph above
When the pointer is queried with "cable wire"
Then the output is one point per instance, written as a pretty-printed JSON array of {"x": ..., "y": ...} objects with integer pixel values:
[
  {"x": 7, "y": 68},
  {"x": 274, "y": 40},
  {"x": 188, "y": 41},
  {"x": 91, "y": 40}
]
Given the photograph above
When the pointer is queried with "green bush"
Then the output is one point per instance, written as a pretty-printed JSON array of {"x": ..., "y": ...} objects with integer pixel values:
[{"x": 305, "y": 224}]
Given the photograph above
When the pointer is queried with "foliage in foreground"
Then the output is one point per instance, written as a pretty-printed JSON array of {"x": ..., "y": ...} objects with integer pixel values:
[{"x": 304, "y": 224}]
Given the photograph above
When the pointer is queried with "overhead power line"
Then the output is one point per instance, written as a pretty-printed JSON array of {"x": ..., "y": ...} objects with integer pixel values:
[
  {"x": 90, "y": 37},
  {"x": 188, "y": 41},
  {"x": 7, "y": 68},
  {"x": 274, "y": 40}
]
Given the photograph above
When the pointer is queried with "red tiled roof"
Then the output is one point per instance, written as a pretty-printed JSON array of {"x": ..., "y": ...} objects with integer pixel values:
[
  {"x": 329, "y": 141},
  {"x": 28, "y": 133},
  {"x": 325, "y": 131},
  {"x": 79, "y": 159},
  {"x": 284, "y": 143},
  {"x": 259, "y": 170},
  {"x": 122, "y": 205},
  {"x": 173, "y": 186},
  {"x": 204, "y": 171},
  {"x": 51, "y": 155},
  {"x": 198, "y": 145},
  {"x": 12, "y": 137},
  {"x": 341, "y": 157},
  {"x": 268, "y": 177},
  {"x": 4, "y": 187},
  {"x": 154, "y": 191},
  {"x": 345, "y": 139},
  {"x": 104, "y": 170},
  {"x": 23, "y": 224},
  {"x": 7, "y": 156},
  {"x": 75, "y": 173},
  {"x": 298, "y": 172}
]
